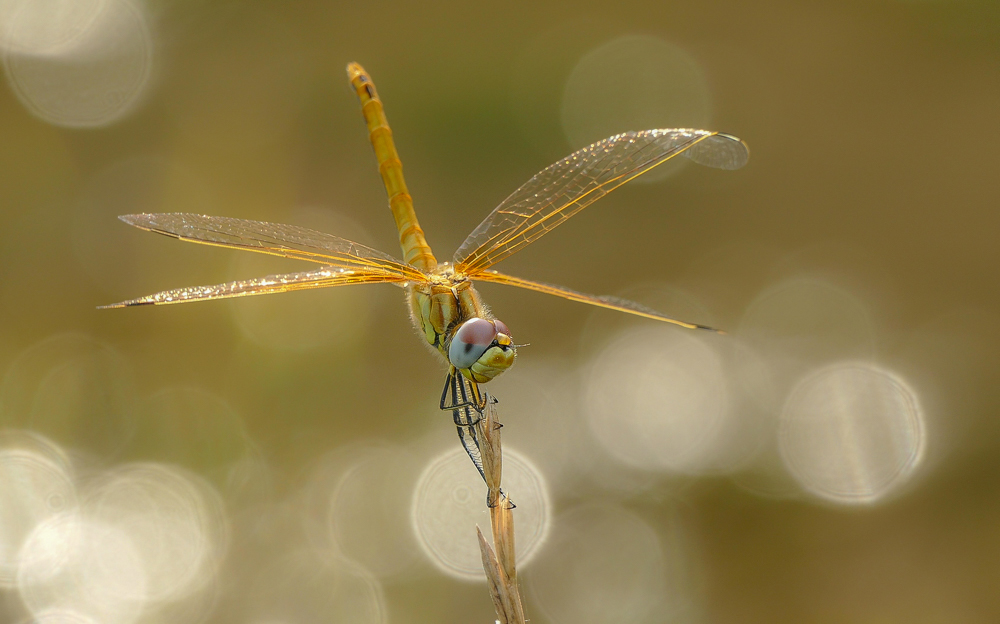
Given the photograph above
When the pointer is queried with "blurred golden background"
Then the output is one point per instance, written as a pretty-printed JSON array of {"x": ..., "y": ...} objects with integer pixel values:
[{"x": 282, "y": 459}]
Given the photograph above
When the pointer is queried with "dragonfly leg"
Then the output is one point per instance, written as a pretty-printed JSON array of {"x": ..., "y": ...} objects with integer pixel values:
[
  {"x": 470, "y": 442},
  {"x": 471, "y": 396},
  {"x": 493, "y": 503},
  {"x": 466, "y": 417}
]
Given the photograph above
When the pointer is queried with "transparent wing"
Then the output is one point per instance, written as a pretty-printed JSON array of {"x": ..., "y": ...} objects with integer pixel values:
[
  {"x": 288, "y": 241},
  {"x": 318, "y": 278},
  {"x": 570, "y": 185},
  {"x": 602, "y": 301}
]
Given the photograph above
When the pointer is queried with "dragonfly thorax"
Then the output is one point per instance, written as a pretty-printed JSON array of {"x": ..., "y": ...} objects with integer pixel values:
[{"x": 454, "y": 321}]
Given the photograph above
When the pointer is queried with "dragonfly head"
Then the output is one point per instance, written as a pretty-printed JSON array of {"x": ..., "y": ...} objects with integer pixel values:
[{"x": 481, "y": 349}]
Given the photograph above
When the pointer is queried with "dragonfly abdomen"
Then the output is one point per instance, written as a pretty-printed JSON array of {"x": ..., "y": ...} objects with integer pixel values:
[{"x": 416, "y": 251}]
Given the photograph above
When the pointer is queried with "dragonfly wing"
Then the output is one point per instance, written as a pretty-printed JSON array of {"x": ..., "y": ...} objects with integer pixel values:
[
  {"x": 570, "y": 185},
  {"x": 318, "y": 278},
  {"x": 602, "y": 301},
  {"x": 289, "y": 241}
]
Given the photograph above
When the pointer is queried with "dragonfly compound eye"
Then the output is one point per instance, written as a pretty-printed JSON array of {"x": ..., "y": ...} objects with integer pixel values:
[
  {"x": 501, "y": 328},
  {"x": 471, "y": 341}
]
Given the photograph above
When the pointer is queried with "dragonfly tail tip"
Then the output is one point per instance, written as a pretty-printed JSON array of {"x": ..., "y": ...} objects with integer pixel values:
[
  {"x": 721, "y": 332},
  {"x": 354, "y": 70},
  {"x": 125, "y": 304}
]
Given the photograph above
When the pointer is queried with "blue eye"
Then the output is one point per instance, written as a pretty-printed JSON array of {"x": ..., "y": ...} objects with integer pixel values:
[{"x": 470, "y": 342}]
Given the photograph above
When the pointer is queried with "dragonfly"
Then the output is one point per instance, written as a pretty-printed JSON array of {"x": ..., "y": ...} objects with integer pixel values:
[{"x": 445, "y": 307}]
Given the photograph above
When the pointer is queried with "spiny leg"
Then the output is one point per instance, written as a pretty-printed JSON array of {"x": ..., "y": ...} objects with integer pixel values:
[
  {"x": 467, "y": 402},
  {"x": 472, "y": 397},
  {"x": 466, "y": 419}
]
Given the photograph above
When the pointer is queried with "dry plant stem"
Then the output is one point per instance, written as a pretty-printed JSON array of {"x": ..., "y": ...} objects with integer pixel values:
[
  {"x": 498, "y": 560},
  {"x": 488, "y": 432}
]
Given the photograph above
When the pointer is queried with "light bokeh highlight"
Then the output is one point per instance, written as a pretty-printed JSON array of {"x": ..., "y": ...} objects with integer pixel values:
[
  {"x": 33, "y": 488},
  {"x": 83, "y": 565},
  {"x": 656, "y": 399},
  {"x": 634, "y": 82},
  {"x": 852, "y": 433},
  {"x": 77, "y": 64},
  {"x": 367, "y": 515},
  {"x": 61, "y": 616},
  {"x": 297, "y": 586},
  {"x": 176, "y": 522},
  {"x": 449, "y": 500},
  {"x": 606, "y": 564},
  {"x": 799, "y": 323},
  {"x": 73, "y": 389},
  {"x": 130, "y": 543}
]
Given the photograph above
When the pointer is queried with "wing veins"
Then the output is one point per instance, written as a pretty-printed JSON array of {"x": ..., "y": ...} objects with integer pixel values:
[
  {"x": 564, "y": 212},
  {"x": 601, "y": 301},
  {"x": 272, "y": 284},
  {"x": 503, "y": 243},
  {"x": 205, "y": 230}
]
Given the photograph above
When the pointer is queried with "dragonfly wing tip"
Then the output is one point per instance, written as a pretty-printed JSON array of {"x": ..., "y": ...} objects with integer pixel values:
[
  {"x": 139, "y": 220},
  {"x": 126, "y": 304}
]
